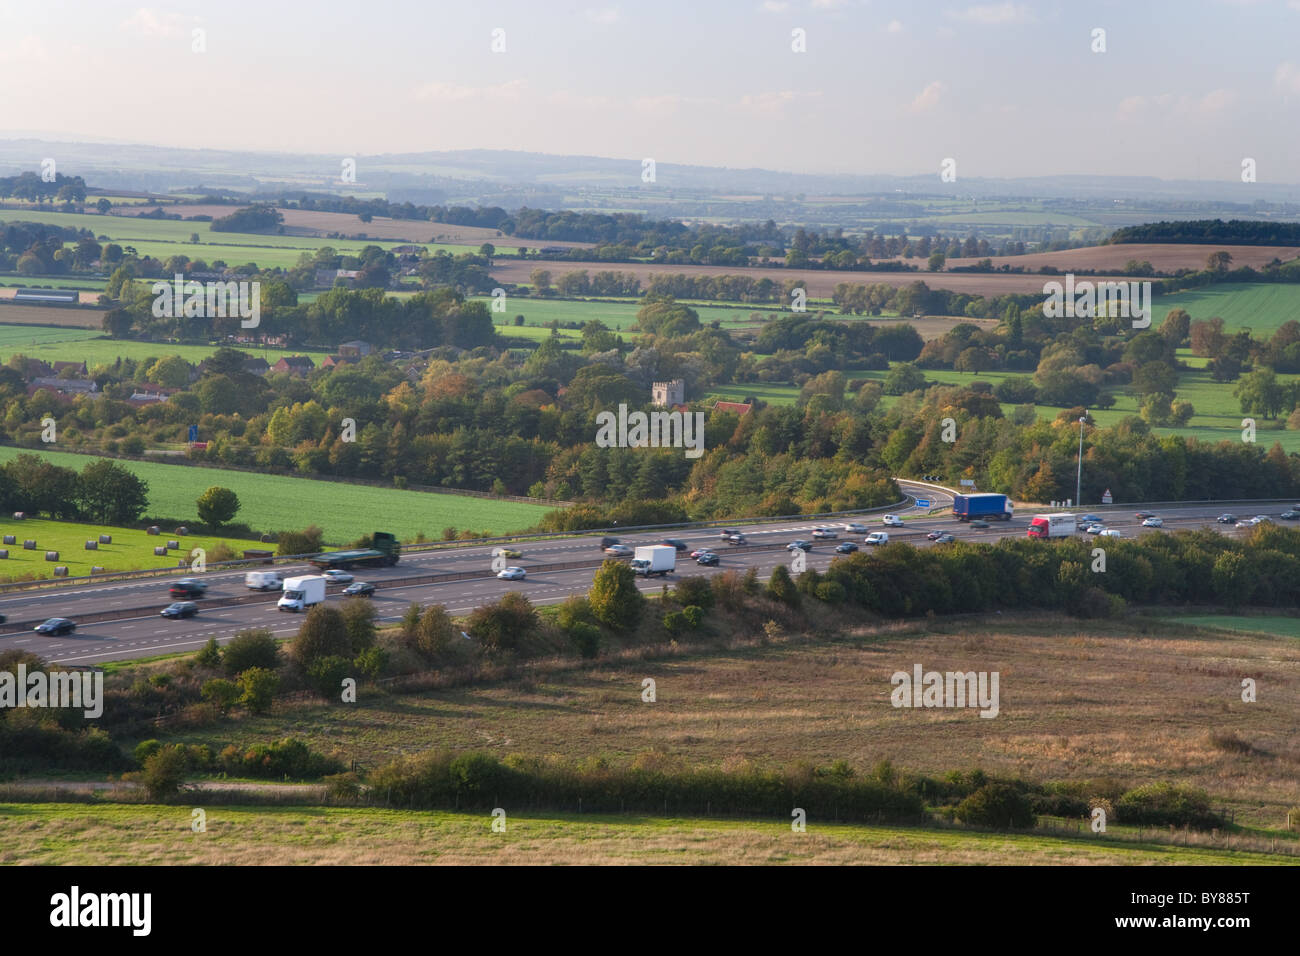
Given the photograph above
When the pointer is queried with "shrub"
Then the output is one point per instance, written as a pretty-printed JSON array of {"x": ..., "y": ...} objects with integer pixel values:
[
  {"x": 359, "y": 619},
  {"x": 259, "y": 686},
  {"x": 585, "y": 639},
  {"x": 210, "y": 655},
  {"x": 343, "y": 786},
  {"x": 997, "y": 805},
  {"x": 435, "y": 632},
  {"x": 371, "y": 662},
  {"x": 506, "y": 624},
  {"x": 697, "y": 591},
  {"x": 831, "y": 592},
  {"x": 674, "y": 622},
  {"x": 325, "y": 674},
  {"x": 1164, "y": 803},
  {"x": 146, "y": 749},
  {"x": 694, "y": 615},
  {"x": 614, "y": 597},
  {"x": 221, "y": 693},
  {"x": 324, "y": 633},
  {"x": 164, "y": 772},
  {"x": 307, "y": 541},
  {"x": 780, "y": 587},
  {"x": 251, "y": 648}
]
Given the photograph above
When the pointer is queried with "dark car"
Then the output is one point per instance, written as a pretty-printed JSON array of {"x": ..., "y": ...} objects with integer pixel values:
[
  {"x": 677, "y": 544},
  {"x": 945, "y": 538},
  {"x": 1289, "y": 515},
  {"x": 56, "y": 625},
  {"x": 607, "y": 542},
  {"x": 360, "y": 588},
  {"x": 728, "y": 532},
  {"x": 188, "y": 588},
  {"x": 708, "y": 557},
  {"x": 1143, "y": 515},
  {"x": 181, "y": 609},
  {"x": 933, "y": 535},
  {"x": 845, "y": 547},
  {"x": 736, "y": 539},
  {"x": 799, "y": 546},
  {"x": 979, "y": 524},
  {"x": 1226, "y": 519}
]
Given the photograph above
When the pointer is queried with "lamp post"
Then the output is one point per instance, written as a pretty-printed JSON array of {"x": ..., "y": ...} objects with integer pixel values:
[{"x": 1078, "y": 482}]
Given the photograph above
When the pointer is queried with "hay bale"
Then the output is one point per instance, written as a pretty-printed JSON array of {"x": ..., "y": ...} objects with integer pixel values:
[
  {"x": 160, "y": 552},
  {"x": 61, "y": 571},
  {"x": 11, "y": 539},
  {"x": 105, "y": 539},
  {"x": 154, "y": 529},
  {"x": 173, "y": 545},
  {"x": 29, "y": 545},
  {"x": 51, "y": 555},
  {"x": 92, "y": 545}
]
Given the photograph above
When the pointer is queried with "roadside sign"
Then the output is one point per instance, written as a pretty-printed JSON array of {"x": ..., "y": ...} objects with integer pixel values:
[
  {"x": 923, "y": 502},
  {"x": 1106, "y": 498},
  {"x": 968, "y": 482},
  {"x": 194, "y": 433}
]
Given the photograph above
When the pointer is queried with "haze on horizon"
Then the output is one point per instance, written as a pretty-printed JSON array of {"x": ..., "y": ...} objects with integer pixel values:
[{"x": 1184, "y": 90}]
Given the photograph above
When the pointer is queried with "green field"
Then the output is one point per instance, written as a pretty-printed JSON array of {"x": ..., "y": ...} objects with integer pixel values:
[
  {"x": 131, "y": 549},
  {"x": 54, "y": 344},
  {"x": 115, "y": 834},
  {"x": 344, "y": 511},
  {"x": 1262, "y": 624},
  {"x": 1258, "y": 306}
]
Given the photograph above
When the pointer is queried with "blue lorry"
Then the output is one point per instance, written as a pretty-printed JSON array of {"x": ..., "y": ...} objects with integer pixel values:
[{"x": 985, "y": 505}]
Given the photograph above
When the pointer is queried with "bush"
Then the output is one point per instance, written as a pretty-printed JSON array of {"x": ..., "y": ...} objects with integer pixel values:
[
  {"x": 164, "y": 772},
  {"x": 780, "y": 587},
  {"x": 697, "y": 591},
  {"x": 259, "y": 686},
  {"x": 251, "y": 648},
  {"x": 146, "y": 749},
  {"x": 210, "y": 655},
  {"x": 435, "y": 632},
  {"x": 323, "y": 634},
  {"x": 1164, "y": 803},
  {"x": 325, "y": 674},
  {"x": 585, "y": 639},
  {"x": 506, "y": 624},
  {"x": 674, "y": 622},
  {"x": 359, "y": 619},
  {"x": 222, "y": 694},
  {"x": 290, "y": 757},
  {"x": 371, "y": 662},
  {"x": 343, "y": 786},
  {"x": 307, "y": 541},
  {"x": 694, "y": 616},
  {"x": 614, "y": 597},
  {"x": 997, "y": 805},
  {"x": 831, "y": 592}
]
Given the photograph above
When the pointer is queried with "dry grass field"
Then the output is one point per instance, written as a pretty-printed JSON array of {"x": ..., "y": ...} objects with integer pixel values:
[
  {"x": 53, "y": 834},
  {"x": 1135, "y": 701},
  {"x": 1165, "y": 257},
  {"x": 11, "y": 314}
]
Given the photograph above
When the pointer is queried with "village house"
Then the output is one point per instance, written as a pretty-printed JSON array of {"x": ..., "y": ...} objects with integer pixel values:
[{"x": 294, "y": 365}]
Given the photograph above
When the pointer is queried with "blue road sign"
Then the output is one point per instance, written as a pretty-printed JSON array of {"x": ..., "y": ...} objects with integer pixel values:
[
  {"x": 923, "y": 502},
  {"x": 194, "y": 433}
]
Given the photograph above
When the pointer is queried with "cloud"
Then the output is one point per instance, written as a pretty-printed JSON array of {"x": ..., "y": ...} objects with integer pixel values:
[
  {"x": 1215, "y": 101},
  {"x": 895, "y": 26},
  {"x": 775, "y": 102},
  {"x": 155, "y": 23},
  {"x": 604, "y": 17},
  {"x": 828, "y": 4},
  {"x": 774, "y": 6},
  {"x": 994, "y": 13},
  {"x": 928, "y": 98},
  {"x": 1287, "y": 78},
  {"x": 28, "y": 49},
  {"x": 457, "y": 93}
]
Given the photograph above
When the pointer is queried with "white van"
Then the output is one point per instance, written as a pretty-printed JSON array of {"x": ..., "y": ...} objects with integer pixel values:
[
  {"x": 263, "y": 581},
  {"x": 878, "y": 537}
]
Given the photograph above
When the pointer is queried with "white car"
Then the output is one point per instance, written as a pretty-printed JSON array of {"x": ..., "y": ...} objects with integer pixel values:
[
  {"x": 893, "y": 521},
  {"x": 1094, "y": 529},
  {"x": 1153, "y": 523},
  {"x": 512, "y": 574},
  {"x": 820, "y": 533},
  {"x": 1109, "y": 533},
  {"x": 854, "y": 528},
  {"x": 1262, "y": 519},
  {"x": 335, "y": 576},
  {"x": 619, "y": 551},
  {"x": 1247, "y": 523}
]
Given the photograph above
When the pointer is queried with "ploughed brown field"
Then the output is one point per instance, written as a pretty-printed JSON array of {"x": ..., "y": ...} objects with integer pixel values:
[
  {"x": 305, "y": 222},
  {"x": 820, "y": 284},
  {"x": 11, "y": 314},
  {"x": 1165, "y": 257}
]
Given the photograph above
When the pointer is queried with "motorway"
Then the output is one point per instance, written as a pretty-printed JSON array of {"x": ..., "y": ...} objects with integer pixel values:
[{"x": 148, "y": 634}]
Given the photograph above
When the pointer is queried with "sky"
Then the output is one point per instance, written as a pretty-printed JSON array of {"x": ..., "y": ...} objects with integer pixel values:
[{"x": 1185, "y": 89}]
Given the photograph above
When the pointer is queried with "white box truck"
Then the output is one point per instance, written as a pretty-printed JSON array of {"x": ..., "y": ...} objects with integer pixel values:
[
  {"x": 302, "y": 593},
  {"x": 263, "y": 580},
  {"x": 654, "y": 559},
  {"x": 1060, "y": 525}
]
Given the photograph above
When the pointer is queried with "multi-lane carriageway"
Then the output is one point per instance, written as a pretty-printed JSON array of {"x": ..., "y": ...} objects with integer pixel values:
[{"x": 148, "y": 634}]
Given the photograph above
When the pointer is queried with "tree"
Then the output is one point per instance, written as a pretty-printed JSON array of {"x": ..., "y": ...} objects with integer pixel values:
[
  {"x": 903, "y": 378},
  {"x": 1260, "y": 394},
  {"x": 109, "y": 492},
  {"x": 323, "y": 634},
  {"x": 117, "y": 323},
  {"x": 217, "y": 506},
  {"x": 780, "y": 587},
  {"x": 936, "y": 262},
  {"x": 541, "y": 280},
  {"x": 1218, "y": 262},
  {"x": 164, "y": 771},
  {"x": 359, "y": 619},
  {"x": 505, "y": 625},
  {"x": 172, "y": 370},
  {"x": 434, "y": 632},
  {"x": 103, "y": 205},
  {"x": 614, "y": 597},
  {"x": 221, "y": 693}
]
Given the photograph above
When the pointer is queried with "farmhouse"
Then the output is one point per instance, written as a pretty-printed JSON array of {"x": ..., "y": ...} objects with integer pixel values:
[
  {"x": 294, "y": 365},
  {"x": 64, "y": 386},
  {"x": 355, "y": 349},
  {"x": 334, "y": 361},
  {"x": 740, "y": 408}
]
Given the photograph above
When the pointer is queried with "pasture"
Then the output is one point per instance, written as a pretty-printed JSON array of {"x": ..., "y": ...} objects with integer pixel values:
[{"x": 282, "y": 503}]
